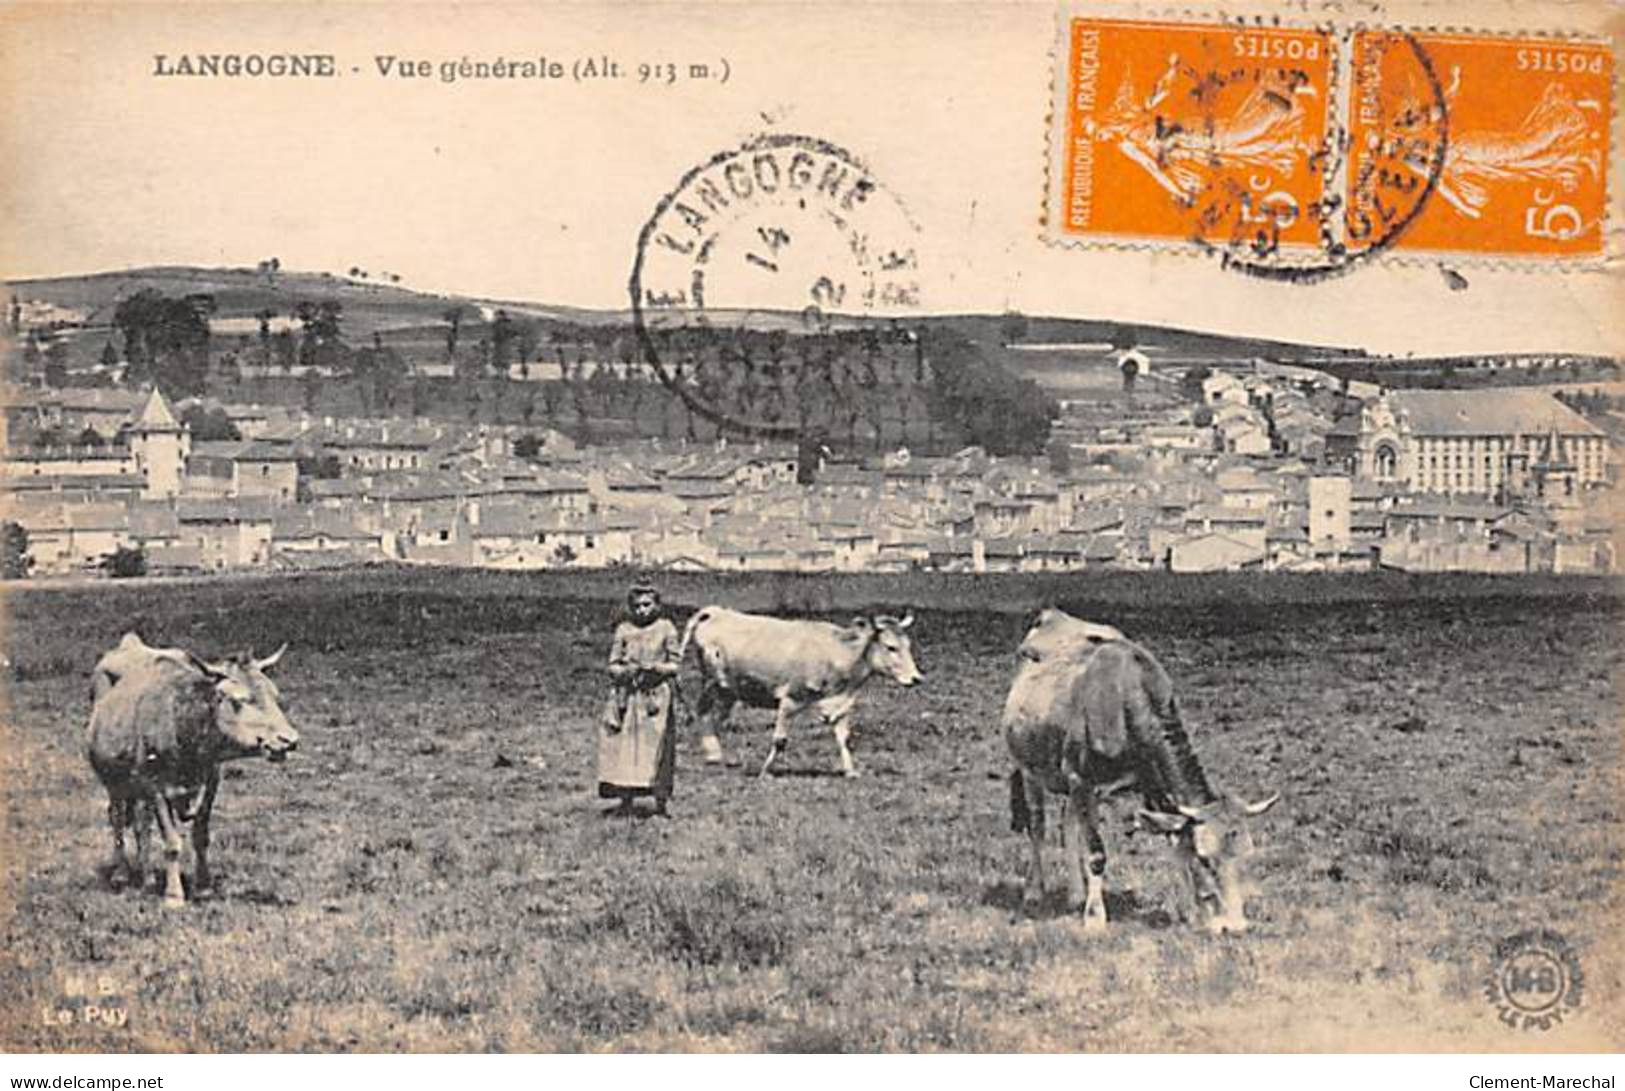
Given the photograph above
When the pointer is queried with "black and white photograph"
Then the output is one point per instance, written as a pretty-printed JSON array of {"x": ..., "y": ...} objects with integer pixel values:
[{"x": 878, "y": 528}]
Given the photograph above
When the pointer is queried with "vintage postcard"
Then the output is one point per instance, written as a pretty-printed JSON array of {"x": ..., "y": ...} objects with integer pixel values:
[{"x": 828, "y": 527}]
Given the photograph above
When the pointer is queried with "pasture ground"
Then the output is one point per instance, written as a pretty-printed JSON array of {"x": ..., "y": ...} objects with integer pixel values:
[{"x": 410, "y": 880}]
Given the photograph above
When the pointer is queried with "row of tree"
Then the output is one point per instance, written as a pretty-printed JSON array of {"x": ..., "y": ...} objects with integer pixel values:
[
  {"x": 1594, "y": 403},
  {"x": 848, "y": 384}
]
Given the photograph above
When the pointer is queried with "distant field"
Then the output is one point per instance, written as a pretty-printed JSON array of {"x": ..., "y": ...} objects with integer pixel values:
[
  {"x": 1067, "y": 375},
  {"x": 1449, "y": 752}
]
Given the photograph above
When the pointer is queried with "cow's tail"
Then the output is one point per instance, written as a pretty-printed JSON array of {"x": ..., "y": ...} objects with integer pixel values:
[
  {"x": 1021, "y": 818},
  {"x": 694, "y": 623}
]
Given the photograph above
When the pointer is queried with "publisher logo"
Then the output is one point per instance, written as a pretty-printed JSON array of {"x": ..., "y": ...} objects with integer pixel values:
[{"x": 1535, "y": 980}]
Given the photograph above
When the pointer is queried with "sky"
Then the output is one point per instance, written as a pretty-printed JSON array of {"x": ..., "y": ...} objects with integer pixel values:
[{"x": 537, "y": 189}]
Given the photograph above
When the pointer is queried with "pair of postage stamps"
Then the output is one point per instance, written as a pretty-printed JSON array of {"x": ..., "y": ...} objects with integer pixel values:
[{"x": 1296, "y": 151}]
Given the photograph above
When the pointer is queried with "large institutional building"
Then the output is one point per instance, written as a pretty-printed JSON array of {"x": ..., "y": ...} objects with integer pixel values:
[{"x": 1495, "y": 443}]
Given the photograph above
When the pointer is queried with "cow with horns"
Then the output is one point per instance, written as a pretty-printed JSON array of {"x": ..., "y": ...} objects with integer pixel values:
[
  {"x": 1090, "y": 713},
  {"x": 161, "y": 722},
  {"x": 792, "y": 665}
]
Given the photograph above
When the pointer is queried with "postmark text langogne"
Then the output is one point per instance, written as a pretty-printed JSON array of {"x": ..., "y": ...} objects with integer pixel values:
[{"x": 280, "y": 65}]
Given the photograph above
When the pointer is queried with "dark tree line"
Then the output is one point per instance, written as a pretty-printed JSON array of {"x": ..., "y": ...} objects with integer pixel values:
[
  {"x": 860, "y": 388},
  {"x": 166, "y": 339},
  {"x": 209, "y": 424},
  {"x": 321, "y": 338},
  {"x": 1595, "y": 403},
  {"x": 997, "y": 410}
]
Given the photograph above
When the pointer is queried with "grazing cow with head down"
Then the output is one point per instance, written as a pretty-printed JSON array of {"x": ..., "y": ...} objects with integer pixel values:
[
  {"x": 161, "y": 722},
  {"x": 1084, "y": 715},
  {"x": 789, "y": 666}
]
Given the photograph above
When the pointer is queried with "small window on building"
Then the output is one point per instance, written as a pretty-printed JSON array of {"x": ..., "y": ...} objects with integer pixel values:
[{"x": 445, "y": 535}]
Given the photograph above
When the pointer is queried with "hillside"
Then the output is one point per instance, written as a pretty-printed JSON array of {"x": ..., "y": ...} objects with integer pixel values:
[
  {"x": 370, "y": 305},
  {"x": 389, "y": 350},
  {"x": 1171, "y": 341},
  {"x": 241, "y": 293}
]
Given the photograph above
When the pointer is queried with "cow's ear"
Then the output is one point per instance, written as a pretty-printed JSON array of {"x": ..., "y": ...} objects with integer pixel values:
[
  {"x": 173, "y": 655},
  {"x": 862, "y": 622},
  {"x": 1162, "y": 822},
  {"x": 214, "y": 672}
]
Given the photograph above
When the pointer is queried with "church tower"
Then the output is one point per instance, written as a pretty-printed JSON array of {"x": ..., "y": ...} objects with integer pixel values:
[
  {"x": 1555, "y": 473},
  {"x": 160, "y": 444}
]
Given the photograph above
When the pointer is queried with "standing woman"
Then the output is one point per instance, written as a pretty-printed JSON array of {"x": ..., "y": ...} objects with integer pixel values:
[{"x": 637, "y": 743}]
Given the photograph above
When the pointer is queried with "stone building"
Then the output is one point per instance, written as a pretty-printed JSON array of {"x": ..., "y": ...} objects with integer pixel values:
[{"x": 1500, "y": 443}]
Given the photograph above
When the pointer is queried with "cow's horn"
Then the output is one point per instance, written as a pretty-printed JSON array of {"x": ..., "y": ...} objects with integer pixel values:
[
  {"x": 1195, "y": 814},
  {"x": 908, "y": 619},
  {"x": 270, "y": 661},
  {"x": 1261, "y": 806}
]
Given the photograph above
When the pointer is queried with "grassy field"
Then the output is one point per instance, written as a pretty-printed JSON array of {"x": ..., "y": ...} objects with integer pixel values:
[{"x": 412, "y": 879}]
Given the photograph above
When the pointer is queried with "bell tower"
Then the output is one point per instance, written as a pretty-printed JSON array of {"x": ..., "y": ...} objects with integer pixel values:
[{"x": 160, "y": 444}]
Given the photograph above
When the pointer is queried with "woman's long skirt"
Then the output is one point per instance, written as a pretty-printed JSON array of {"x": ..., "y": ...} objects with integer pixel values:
[{"x": 641, "y": 757}]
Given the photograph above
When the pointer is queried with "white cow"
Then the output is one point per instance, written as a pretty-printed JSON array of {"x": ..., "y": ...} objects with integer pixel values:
[{"x": 791, "y": 665}]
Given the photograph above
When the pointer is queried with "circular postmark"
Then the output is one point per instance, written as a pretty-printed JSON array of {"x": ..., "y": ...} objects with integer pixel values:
[
  {"x": 1280, "y": 203},
  {"x": 1535, "y": 980},
  {"x": 769, "y": 284}
]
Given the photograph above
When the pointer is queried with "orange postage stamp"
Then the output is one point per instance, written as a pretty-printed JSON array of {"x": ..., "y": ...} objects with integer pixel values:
[
  {"x": 1177, "y": 131},
  {"x": 1296, "y": 152},
  {"x": 1526, "y": 151}
]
